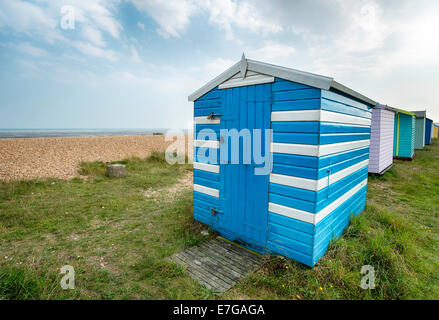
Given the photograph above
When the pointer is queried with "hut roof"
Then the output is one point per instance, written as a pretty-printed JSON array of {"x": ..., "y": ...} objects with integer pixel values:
[{"x": 310, "y": 79}]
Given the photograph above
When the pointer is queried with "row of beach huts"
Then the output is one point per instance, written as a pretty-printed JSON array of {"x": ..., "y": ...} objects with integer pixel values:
[
  {"x": 326, "y": 139},
  {"x": 397, "y": 133}
]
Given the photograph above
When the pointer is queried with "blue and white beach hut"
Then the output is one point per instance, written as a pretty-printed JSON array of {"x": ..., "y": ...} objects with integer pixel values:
[{"x": 320, "y": 155}]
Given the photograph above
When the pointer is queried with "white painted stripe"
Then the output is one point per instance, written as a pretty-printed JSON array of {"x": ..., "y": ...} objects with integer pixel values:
[
  {"x": 297, "y": 115},
  {"x": 206, "y": 144},
  {"x": 317, "y": 150},
  {"x": 331, "y": 148},
  {"x": 295, "y": 182},
  {"x": 318, "y": 115},
  {"x": 343, "y": 134},
  {"x": 329, "y": 116},
  {"x": 313, "y": 184},
  {"x": 205, "y": 120},
  {"x": 206, "y": 190},
  {"x": 323, "y": 182},
  {"x": 334, "y": 205},
  {"x": 206, "y": 167},
  {"x": 291, "y": 148},
  {"x": 247, "y": 81},
  {"x": 309, "y": 216},
  {"x": 291, "y": 212}
]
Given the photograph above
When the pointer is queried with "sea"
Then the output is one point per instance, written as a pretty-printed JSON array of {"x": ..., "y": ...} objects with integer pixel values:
[{"x": 46, "y": 133}]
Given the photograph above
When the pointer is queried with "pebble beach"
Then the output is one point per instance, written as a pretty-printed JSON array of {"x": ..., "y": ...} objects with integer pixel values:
[{"x": 30, "y": 158}]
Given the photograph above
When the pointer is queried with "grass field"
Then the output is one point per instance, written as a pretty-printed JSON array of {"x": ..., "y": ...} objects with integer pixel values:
[{"x": 117, "y": 234}]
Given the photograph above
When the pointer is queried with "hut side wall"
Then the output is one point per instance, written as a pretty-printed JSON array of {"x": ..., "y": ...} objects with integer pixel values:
[
  {"x": 206, "y": 169},
  {"x": 304, "y": 212},
  {"x": 346, "y": 193},
  {"x": 420, "y": 133},
  {"x": 295, "y": 124},
  {"x": 404, "y": 136},
  {"x": 374, "y": 156},
  {"x": 381, "y": 141},
  {"x": 428, "y": 127}
]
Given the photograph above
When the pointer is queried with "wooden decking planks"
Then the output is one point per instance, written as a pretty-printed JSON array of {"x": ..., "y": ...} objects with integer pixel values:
[{"x": 218, "y": 264}]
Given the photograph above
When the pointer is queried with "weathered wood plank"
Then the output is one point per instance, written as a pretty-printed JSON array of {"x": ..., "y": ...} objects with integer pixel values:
[
  {"x": 201, "y": 268},
  {"x": 217, "y": 264}
]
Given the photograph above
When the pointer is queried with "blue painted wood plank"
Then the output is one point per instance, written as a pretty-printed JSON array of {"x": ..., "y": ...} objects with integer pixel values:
[
  {"x": 296, "y": 171},
  {"x": 206, "y": 155},
  {"x": 335, "y": 138},
  {"x": 291, "y": 223},
  {"x": 292, "y": 234},
  {"x": 284, "y": 85},
  {"x": 293, "y": 202},
  {"x": 296, "y": 94},
  {"x": 299, "y": 126},
  {"x": 279, "y": 248},
  {"x": 338, "y": 166},
  {"x": 342, "y": 156},
  {"x": 309, "y": 104},
  {"x": 214, "y": 127},
  {"x": 296, "y": 160},
  {"x": 291, "y": 244},
  {"x": 212, "y": 94},
  {"x": 297, "y": 138},
  {"x": 328, "y": 127},
  {"x": 206, "y": 175},
  {"x": 206, "y": 182},
  {"x": 206, "y": 198},
  {"x": 344, "y": 109},
  {"x": 293, "y": 193},
  {"x": 206, "y": 111},
  {"x": 207, "y": 104}
]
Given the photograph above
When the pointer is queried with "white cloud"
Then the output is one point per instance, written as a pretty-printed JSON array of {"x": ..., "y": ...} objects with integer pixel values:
[
  {"x": 227, "y": 14},
  {"x": 98, "y": 14},
  {"x": 273, "y": 52},
  {"x": 31, "y": 50},
  {"x": 141, "y": 25},
  {"x": 134, "y": 54},
  {"x": 172, "y": 16},
  {"x": 92, "y": 50},
  {"x": 28, "y": 18},
  {"x": 366, "y": 30},
  {"x": 217, "y": 66},
  {"x": 93, "y": 35}
]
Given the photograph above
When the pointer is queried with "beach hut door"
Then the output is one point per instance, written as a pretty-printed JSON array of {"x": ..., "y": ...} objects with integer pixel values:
[{"x": 244, "y": 192}]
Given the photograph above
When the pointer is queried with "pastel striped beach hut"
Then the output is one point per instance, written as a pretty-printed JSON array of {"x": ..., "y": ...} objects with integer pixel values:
[
  {"x": 319, "y": 157},
  {"x": 381, "y": 139},
  {"x": 428, "y": 130},
  {"x": 420, "y": 129},
  {"x": 404, "y": 135}
]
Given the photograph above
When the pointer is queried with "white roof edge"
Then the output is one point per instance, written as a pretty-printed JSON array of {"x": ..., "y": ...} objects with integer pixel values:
[
  {"x": 307, "y": 78},
  {"x": 355, "y": 94},
  {"x": 420, "y": 113},
  {"x": 311, "y": 79},
  {"x": 386, "y": 107}
]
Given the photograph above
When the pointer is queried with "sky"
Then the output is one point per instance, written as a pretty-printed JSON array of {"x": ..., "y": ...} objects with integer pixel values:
[{"x": 133, "y": 63}]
